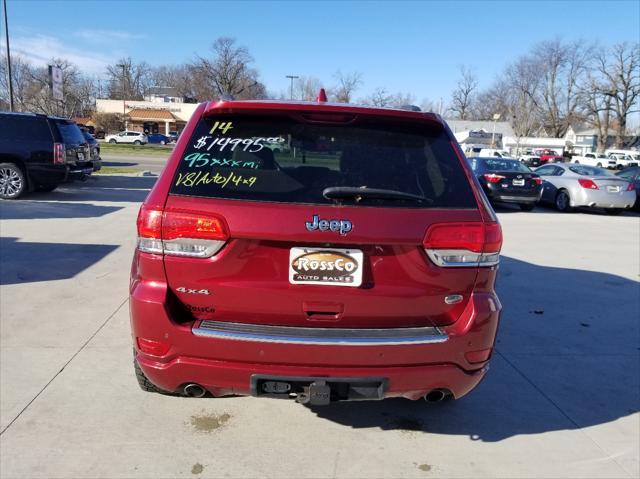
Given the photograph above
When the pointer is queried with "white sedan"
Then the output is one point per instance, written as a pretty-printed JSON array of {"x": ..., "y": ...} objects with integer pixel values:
[{"x": 135, "y": 137}]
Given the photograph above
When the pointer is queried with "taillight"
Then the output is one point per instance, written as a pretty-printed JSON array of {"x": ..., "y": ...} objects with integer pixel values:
[
  {"x": 464, "y": 244},
  {"x": 537, "y": 180},
  {"x": 493, "y": 178},
  {"x": 631, "y": 187},
  {"x": 588, "y": 184},
  {"x": 58, "y": 154},
  {"x": 155, "y": 348},
  {"x": 180, "y": 233}
]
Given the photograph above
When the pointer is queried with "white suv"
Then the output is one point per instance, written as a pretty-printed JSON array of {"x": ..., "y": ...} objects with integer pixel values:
[{"x": 135, "y": 137}]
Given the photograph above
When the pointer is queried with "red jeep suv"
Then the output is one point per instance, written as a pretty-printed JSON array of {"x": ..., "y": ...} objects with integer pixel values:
[{"x": 315, "y": 251}]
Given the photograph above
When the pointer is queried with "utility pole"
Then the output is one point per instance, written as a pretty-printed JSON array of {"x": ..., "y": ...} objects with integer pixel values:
[
  {"x": 6, "y": 29},
  {"x": 292, "y": 77},
  {"x": 123, "y": 66}
]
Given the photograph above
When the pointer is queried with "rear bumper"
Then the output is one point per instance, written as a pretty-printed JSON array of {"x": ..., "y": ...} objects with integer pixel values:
[
  {"x": 531, "y": 196},
  {"x": 224, "y": 378},
  {"x": 224, "y": 365},
  {"x": 603, "y": 199}
]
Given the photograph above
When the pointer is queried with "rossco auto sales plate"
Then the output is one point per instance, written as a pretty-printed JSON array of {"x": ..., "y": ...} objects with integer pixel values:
[{"x": 325, "y": 266}]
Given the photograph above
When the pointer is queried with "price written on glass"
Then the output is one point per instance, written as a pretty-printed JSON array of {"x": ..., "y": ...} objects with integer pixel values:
[
  {"x": 252, "y": 145},
  {"x": 222, "y": 180},
  {"x": 200, "y": 160}
]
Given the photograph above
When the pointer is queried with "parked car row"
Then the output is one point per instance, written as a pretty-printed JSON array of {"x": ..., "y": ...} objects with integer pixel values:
[
  {"x": 563, "y": 185},
  {"x": 140, "y": 138},
  {"x": 613, "y": 159},
  {"x": 38, "y": 152}
]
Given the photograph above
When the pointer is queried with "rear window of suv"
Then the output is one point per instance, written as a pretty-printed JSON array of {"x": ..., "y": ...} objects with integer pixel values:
[
  {"x": 278, "y": 159},
  {"x": 70, "y": 132}
]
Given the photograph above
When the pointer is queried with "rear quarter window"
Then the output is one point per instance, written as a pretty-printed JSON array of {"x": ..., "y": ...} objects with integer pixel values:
[
  {"x": 24, "y": 128},
  {"x": 279, "y": 159}
]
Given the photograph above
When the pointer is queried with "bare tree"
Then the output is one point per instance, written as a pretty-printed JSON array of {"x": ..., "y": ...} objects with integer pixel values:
[
  {"x": 346, "y": 85},
  {"x": 620, "y": 67},
  {"x": 228, "y": 71},
  {"x": 463, "y": 96},
  {"x": 306, "y": 88},
  {"x": 130, "y": 79},
  {"x": 21, "y": 71},
  {"x": 380, "y": 97},
  {"x": 560, "y": 66}
]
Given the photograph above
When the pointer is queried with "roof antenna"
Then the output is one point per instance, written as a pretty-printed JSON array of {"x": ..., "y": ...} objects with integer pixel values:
[{"x": 322, "y": 96}]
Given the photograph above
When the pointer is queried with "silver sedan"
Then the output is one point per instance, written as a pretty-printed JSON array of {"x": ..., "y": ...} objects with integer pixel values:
[{"x": 569, "y": 185}]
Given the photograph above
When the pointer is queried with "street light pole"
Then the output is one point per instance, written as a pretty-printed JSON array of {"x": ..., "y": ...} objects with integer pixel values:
[
  {"x": 292, "y": 77},
  {"x": 124, "y": 113},
  {"x": 6, "y": 29}
]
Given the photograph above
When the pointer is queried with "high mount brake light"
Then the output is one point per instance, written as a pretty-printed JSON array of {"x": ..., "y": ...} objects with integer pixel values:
[
  {"x": 588, "y": 184},
  {"x": 464, "y": 244},
  {"x": 493, "y": 178},
  {"x": 180, "y": 233}
]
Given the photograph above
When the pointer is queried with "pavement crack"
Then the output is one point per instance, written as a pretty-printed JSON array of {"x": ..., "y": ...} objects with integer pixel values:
[{"x": 65, "y": 365}]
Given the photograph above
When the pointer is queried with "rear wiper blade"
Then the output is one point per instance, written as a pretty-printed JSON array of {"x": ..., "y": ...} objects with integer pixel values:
[{"x": 360, "y": 193}]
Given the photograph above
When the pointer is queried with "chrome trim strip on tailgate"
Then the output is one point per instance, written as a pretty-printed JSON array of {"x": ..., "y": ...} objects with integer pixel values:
[{"x": 320, "y": 336}]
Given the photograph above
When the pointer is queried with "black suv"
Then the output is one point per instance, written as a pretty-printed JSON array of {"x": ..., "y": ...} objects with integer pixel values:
[{"x": 38, "y": 152}]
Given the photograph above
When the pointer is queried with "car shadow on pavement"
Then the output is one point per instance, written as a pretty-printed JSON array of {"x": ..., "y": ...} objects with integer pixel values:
[
  {"x": 30, "y": 209},
  {"x": 567, "y": 357},
  {"x": 115, "y": 188},
  {"x": 26, "y": 262}
]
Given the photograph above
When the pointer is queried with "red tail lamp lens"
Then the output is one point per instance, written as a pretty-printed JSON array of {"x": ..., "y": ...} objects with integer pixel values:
[
  {"x": 588, "y": 184},
  {"x": 478, "y": 356},
  {"x": 631, "y": 187},
  {"x": 492, "y": 178},
  {"x": 149, "y": 223},
  {"x": 182, "y": 224},
  {"x": 155, "y": 348},
  {"x": 476, "y": 237}
]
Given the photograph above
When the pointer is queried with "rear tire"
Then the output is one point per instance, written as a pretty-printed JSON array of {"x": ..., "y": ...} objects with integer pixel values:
[
  {"x": 137, "y": 142},
  {"x": 113, "y": 141},
  {"x": 144, "y": 382},
  {"x": 527, "y": 206},
  {"x": 162, "y": 142},
  {"x": 13, "y": 181},
  {"x": 563, "y": 202},
  {"x": 614, "y": 211}
]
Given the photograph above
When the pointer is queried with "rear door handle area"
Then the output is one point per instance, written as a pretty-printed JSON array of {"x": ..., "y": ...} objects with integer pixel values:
[{"x": 322, "y": 311}]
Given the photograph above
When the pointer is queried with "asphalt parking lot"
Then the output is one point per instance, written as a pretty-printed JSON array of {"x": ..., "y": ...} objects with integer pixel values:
[{"x": 561, "y": 399}]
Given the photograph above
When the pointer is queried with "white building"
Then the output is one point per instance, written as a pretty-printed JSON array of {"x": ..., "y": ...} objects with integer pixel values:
[
  {"x": 150, "y": 116},
  {"x": 487, "y": 133}
]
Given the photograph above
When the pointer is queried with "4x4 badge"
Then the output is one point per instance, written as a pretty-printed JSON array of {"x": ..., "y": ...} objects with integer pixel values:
[{"x": 341, "y": 226}]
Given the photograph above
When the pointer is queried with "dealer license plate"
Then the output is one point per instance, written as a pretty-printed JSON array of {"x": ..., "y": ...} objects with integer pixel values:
[
  {"x": 613, "y": 189},
  {"x": 518, "y": 182},
  {"x": 326, "y": 266}
]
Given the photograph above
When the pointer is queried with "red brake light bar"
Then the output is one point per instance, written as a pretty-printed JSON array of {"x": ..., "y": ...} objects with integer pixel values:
[{"x": 464, "y": 244}]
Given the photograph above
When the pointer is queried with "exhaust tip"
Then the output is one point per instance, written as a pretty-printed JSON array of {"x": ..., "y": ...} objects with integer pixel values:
[
  {"x": 437, "y": 395},
  {"x": 194, "y": 390}
]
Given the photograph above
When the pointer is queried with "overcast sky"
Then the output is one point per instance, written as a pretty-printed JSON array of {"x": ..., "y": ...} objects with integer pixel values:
[{"x": 414, "y": 47}]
